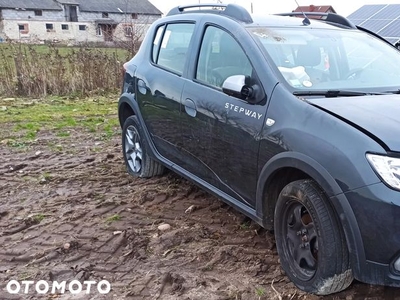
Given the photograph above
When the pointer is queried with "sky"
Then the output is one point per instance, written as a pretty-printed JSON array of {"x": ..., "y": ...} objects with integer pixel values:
[{"x": 343, "y": 7}]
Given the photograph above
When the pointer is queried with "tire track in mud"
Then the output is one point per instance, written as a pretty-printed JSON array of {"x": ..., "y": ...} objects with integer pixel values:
[{"x": 76, "y": 214}]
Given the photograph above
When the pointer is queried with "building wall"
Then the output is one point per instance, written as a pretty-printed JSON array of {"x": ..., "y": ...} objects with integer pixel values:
[
  {"x": 36, "y": 31},
  {"x": 120, "y": 18},
  {"x": 34, "y": 27},
  {"x": 47, "y": 15}
]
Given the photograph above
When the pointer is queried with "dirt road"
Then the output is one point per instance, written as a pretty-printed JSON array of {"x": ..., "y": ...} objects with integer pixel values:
[{"x": 68, "y": 210}]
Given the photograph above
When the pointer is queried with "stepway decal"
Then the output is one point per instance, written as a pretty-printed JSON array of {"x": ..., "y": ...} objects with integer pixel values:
[
  {"x": 43, "y": 287},
  {"x": 241, "y": 110}
]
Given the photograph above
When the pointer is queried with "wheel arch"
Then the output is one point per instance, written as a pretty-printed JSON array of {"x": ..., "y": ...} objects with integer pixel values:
[
  {"x": 290, "y": 166},
  {"x": 127, "y": 106}
]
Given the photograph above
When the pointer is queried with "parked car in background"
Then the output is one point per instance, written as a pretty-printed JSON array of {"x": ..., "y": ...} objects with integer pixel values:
[{"x": 294, "y": 122}]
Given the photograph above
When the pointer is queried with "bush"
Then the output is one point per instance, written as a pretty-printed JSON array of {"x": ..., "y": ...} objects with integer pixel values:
[{"x": 40, "y": 70}]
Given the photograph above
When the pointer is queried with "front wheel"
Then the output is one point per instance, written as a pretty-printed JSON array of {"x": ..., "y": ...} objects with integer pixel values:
[
  {"x": 310, "y": 242},
  {"x": 137, "y": 161}
]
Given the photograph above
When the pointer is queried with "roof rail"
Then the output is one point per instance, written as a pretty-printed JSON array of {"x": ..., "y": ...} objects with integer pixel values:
[
  {"x": 327, "y": 17},
  {"x": 231, "y": 10}
]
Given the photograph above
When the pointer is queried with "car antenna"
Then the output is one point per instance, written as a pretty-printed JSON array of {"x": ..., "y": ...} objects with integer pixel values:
[{"x": 306, "y": 20}]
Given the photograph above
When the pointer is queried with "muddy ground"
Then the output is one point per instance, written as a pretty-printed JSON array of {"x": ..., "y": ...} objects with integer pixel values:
[{"x": 68, "y": 210}]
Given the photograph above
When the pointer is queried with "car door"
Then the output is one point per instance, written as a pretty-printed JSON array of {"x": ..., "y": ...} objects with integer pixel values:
[
  {"x": 160, "y": 86},
  {"x": 220, "y": 132}
]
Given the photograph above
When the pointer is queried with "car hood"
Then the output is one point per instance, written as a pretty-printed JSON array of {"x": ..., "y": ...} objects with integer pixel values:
[{"x": 378, "y": 115}]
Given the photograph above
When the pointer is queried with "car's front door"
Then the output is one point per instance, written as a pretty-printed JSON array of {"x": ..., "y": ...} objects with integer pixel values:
[
  {"x": 160, "y": 85},
  {"x": 220, "y": 132}
]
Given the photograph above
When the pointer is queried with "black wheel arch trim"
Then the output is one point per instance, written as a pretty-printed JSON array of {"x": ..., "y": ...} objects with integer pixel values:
[
  {"x": 339, "y": 201},
  {"x": 129, "y": 99}
]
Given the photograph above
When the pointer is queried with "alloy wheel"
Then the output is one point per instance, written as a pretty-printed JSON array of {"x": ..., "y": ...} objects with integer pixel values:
[{"x": 133, "y": 149}]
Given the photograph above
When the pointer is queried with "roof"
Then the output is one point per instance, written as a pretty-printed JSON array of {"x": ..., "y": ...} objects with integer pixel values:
[
  {"x": 30, "y": 4},
  {"x": 74, "y": 2},
  {"x": 315, "y": 8},
  {"x": 110, "y": 6},
  {"x": 118, "y": 6},
  {"x": 383, "y": 19}
]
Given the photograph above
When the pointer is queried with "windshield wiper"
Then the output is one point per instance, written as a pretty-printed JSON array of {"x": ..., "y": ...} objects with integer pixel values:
[
  {"x": 334, "y": 93},
  {"x": 394, "y": 92}
]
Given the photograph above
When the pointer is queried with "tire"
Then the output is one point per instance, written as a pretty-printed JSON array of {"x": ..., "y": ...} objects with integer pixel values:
[
  {"x": 310, "y": 241},
  {"x": 134, "y": 149}
]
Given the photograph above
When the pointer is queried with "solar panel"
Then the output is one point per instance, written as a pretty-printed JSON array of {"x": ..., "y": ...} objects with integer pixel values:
[
  {"x": 393, "y": 30},
  {"x": 393, "y": 41},
  {"x": 375, "y": 25},
  {"x": 390, "y": 12},
  {"x": 357, "y": 21},
  {"x": 383, "y": 19},
  {"x": 366, "y": 11}
]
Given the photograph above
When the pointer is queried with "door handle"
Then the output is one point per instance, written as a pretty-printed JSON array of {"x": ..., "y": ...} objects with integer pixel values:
[{"x": 190, "y": 107}]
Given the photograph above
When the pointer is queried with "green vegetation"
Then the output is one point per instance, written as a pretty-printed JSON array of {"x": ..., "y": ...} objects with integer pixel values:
[
  {"x": 245, "y": 225},
  {"x": 41, "y": 70},
  {"x": 260, "y": 292},
  {"x": 39, "y": 218},
  {"x": 59, "y": 115},
  {"x": 113, "y": 218}
]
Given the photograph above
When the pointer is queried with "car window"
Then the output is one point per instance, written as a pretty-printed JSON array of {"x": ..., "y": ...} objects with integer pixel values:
[
  {"x": 174, "y": 46},
  {"x": 156, "y": 42},
  {"x": 323, "y": 59},
  {"x": 221, "y": 56}
]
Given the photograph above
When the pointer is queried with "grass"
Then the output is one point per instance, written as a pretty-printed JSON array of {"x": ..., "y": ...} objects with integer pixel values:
[
  {"x": 59, "y": 116},
  {"x": 64, "y": 51},
  {"x": 260, "y": 292},
  {"x": 39, "y": 217},
  {"x": 245, "y": 225},
  {"x": 41, "y": 70},
  {"x": 113, "y": 218}
]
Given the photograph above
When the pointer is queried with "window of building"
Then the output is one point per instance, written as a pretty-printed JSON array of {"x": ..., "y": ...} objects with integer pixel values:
[
  {"x": 99, "y": 31},
  {"x": 82, "y": 27},
  {"x": 64, "y": 26},
  {"x": 128, "y": 30},
  {"x": 134, "y": 16},
  {"x": 174, "y": 45},
  {"x": 23, "y": 28},
  {"x": 38, "y": 12},
  {"x": 49, "y": 27},
  {"x": 104, "y": 15}
]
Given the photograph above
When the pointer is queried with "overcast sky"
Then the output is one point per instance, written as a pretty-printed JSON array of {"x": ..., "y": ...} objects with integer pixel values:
[{"x": 343, "y": 7}]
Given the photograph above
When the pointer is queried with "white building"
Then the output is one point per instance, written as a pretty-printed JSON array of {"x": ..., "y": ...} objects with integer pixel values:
[{"x": 73, "y": 21}]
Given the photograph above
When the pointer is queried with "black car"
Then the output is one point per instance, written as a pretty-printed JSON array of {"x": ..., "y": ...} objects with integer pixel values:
[{"x": 292, "y": 119}]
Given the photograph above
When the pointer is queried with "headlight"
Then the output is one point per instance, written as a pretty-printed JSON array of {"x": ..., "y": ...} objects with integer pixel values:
[{"x": 388, "y": 168}]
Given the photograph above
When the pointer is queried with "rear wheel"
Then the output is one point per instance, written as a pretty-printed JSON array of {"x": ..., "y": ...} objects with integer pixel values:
[
  {"x": 310, "y": 242},
  {"x": 137, "y": 161}
]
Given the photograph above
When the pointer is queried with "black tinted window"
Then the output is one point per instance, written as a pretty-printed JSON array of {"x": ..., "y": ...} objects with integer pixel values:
[
  {"x": 220, "y": 57},
  {"x": 174, "y": 46}
]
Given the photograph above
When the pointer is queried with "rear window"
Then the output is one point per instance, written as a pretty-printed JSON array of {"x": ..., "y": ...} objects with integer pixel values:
[{"x": 170, "y": 46}]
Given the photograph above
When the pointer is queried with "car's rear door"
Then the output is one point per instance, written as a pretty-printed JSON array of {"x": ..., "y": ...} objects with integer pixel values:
[
  {"x": 219, "y": 132},
  {"x": 160, "y": 85}
]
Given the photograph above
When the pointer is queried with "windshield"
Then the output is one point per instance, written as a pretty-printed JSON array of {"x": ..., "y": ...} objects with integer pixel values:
[{"x": 325, "y": 59}]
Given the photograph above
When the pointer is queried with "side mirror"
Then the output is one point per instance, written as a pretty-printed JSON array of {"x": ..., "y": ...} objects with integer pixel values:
[{"x": 237, "y": 86}]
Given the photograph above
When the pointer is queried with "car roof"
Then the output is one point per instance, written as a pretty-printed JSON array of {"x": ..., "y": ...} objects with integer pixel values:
[{"x": 241, "y": 15}]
